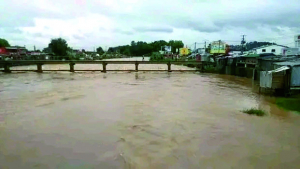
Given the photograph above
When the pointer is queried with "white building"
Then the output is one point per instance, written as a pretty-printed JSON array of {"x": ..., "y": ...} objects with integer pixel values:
[{"x": 275, "y": 49}]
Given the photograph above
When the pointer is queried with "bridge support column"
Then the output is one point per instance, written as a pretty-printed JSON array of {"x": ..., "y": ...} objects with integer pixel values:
[
  {"x": 136, "y": 67},
  {"x": 39, "y": 68},
  {"x": 169, "y": 67},
  {"x": 72, "y": 67},
  {"x": 104, "y": 67},
  {"x": 6, "y": 69}
]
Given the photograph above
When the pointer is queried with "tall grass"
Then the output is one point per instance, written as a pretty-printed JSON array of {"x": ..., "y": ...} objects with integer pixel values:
[{"x": 254, "y": 111}]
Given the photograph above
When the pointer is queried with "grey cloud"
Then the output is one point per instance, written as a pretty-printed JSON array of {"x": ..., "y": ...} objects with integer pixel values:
[
  {"x": 276, "y": 15},
  {"x": 38, "y": 34},
  {"x": 200, "y": 26},
  {"x": 79, "y": 37},
  {"x": 125, "y": 32},
  {"x": 154, "y": 29},
  {"x": 11, "y": 30}
]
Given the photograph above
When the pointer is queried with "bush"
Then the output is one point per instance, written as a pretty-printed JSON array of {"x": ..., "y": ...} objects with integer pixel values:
[
  {"x": 254, "y": 111},
  {"x": 156, "y": 56}
]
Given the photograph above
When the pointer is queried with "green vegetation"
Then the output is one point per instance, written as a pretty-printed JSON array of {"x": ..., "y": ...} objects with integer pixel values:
[
  {"x": 254, "y": 111},
  {"x": 249, "y": 45},
  {"x": 210, "y": 69},
  {"x": 143, "y": 48},
  {"x": 59, "y": 46},
  {"x": 156, "y": 56},
  {"x": 292, "y": 104},
  {"x": 100, "y": 51},
  {"x": 4, "y": 43}
]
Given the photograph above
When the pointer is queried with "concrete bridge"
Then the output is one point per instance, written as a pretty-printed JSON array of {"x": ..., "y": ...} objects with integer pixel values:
[{"x": 7, "y": 64}]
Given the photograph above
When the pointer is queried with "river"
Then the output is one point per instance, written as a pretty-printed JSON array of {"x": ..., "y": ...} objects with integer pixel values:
[{"x": 141, "y": 120}]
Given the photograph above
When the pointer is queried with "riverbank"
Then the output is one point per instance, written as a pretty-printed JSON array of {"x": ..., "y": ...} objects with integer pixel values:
[{"x": 292, "y": 104}]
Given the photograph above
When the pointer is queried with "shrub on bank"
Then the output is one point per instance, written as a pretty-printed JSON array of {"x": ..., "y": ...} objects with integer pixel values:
[
  {"x": 210, "y": 70},
  {"x": 254, "y": 111},
  {"x": 156, "y": 56}
]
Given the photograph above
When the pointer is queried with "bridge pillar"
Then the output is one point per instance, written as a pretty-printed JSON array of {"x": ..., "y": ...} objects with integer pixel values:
[
  {"x": 72, "y": 67},
  {"x": 136, "y": 67},
  {"x": 6, "y": 69},
  {"x": 104, "y": 67},
  {"x": 169, "y": 67},
  {"x": 39, "y": 68}
]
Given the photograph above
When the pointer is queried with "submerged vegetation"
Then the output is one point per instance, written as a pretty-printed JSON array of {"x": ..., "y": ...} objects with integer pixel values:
[
  {"x": 292, "y": 104},
  {"x": 254, "y": 111},
  {"x": 156, "y": 56}
]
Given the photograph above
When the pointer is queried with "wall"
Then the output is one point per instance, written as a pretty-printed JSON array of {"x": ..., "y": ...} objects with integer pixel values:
[
  {"x": 295, "y": 77},
  {"x": 3, "y": 50}
]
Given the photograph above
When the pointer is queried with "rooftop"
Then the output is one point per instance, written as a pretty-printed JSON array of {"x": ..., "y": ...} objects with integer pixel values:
[
  {"x": 270, "y": 45},
  {"x": 292, "y": 63},
  {"x": 15, "y": 47}
]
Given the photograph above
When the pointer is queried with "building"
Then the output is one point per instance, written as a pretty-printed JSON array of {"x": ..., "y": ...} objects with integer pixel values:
[
  {"x": 219, "y": 47},
  {"x": 291, "y": 51},
  {"x": 275, "y": 49},
  {"x": 284, "y": 78},
  {"x": 14, "y": 52}
]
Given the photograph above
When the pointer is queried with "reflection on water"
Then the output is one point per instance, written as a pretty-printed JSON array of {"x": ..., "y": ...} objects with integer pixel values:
[{"x": 141, "y": 120}]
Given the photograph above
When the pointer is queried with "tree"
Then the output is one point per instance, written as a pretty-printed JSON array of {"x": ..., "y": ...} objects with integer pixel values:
[
  {"x": 100, "y": 51},
  {"x": 127, "y": 52},
  {"x": 207, "y": 50},
  {"x": 140, "y": 48},
  {"x": 175, "y": 45},
  {"x": 4, "y": 43},
  {"x": 59, "y": 46}
]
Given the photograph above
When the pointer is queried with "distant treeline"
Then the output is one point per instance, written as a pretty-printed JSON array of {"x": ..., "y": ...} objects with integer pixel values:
[
  {"x": 143, "y": 48},
  {"x": 249, "y": 46}
]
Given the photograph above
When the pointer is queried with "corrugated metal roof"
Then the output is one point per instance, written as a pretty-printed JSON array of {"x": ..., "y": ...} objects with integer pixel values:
[
  {"x": 278, "y": 70},
  {"x": 289, "y": 63},
  {"x": 271, "y": 45},
  {"x": 279, "y": 58}
]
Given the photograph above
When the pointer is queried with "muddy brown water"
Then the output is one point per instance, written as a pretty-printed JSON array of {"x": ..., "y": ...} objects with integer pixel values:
[{"x": 141, "y": 120}]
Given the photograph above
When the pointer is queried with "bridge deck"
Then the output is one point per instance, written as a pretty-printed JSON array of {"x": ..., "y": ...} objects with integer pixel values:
[
  {"x": 95, "y": 62},
  {"x": 39, "y": 63}
]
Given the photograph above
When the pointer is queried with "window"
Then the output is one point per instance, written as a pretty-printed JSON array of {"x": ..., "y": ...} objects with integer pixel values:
[
  {"x": 273, "y": 50},
  {"x": 263, "y": 50}
]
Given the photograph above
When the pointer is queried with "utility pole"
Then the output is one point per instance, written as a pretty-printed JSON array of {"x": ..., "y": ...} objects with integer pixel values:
[
  {"x": 219, "y": 46},
  {"x": 195, "y": 46},
  {"x": 204, "y": 46},
  {"x": 242, "y": 43}
]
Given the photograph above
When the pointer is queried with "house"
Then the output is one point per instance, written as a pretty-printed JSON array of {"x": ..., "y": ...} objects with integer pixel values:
[
  {"x": 294, "y": 73},
  {"x": 14, "y": 52},
  {"x": 284, "y": 78},
  {"x": 275, "y": 49},
  {"x": 291, "y": 51}
]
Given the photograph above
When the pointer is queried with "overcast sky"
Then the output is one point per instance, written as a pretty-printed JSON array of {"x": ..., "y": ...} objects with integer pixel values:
[{"x": 86, "y": 24}]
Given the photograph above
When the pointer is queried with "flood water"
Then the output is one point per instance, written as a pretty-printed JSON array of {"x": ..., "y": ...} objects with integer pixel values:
[{"x": 141, "y": 120}]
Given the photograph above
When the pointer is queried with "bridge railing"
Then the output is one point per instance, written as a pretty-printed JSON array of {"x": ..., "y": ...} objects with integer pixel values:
[{"x": 7, "y": 64}]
